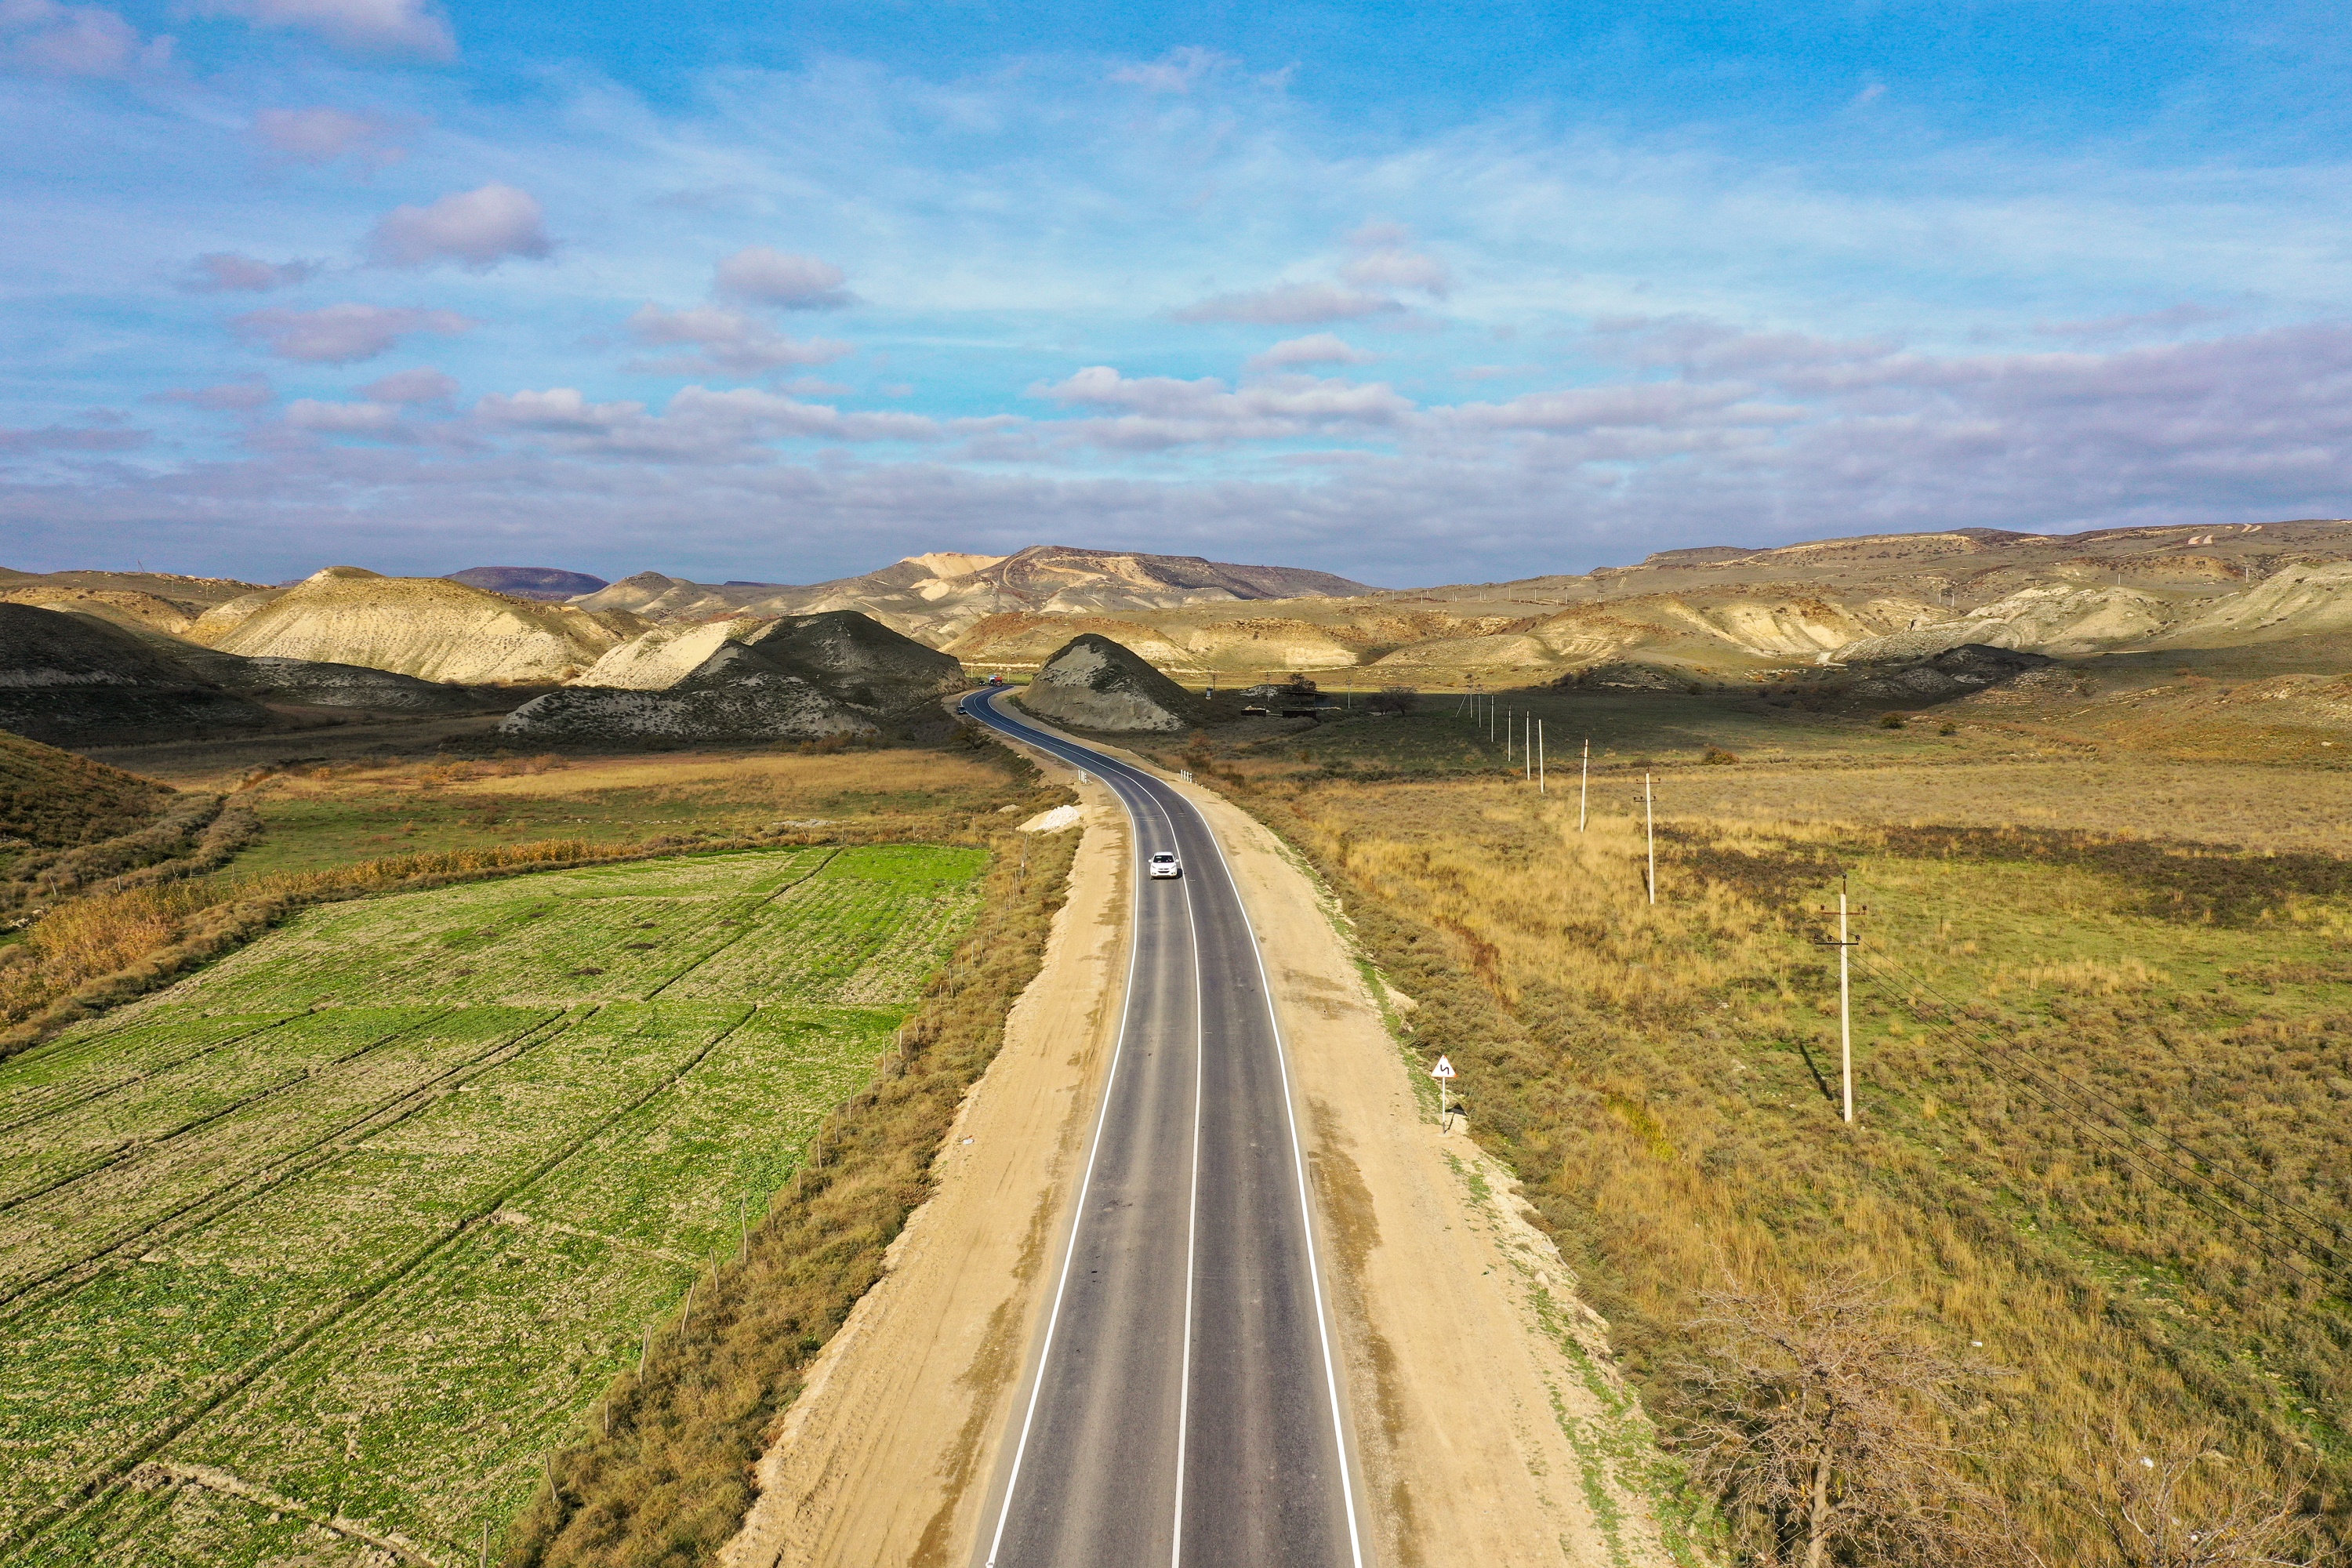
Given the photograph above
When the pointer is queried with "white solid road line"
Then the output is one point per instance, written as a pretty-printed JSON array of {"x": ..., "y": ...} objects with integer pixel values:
[{"x": 1192, "y": 1212}]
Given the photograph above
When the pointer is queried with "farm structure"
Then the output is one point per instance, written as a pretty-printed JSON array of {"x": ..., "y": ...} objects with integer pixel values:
[{"x": 316, "y": 1255}]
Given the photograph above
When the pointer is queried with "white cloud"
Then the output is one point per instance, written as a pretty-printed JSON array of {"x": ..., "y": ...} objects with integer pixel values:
[
  {"x": 1162, "y": 412},
  {"x": 42, "y": 37},
  {"x": 758, "y": 275},
  {"x": 477, "y": 229},
  {"x": 701, "y": 427},
  {"x": 230, "y": 272},
  {"x": 1290, "y": 305},
  {"x": 375, "y": 419},
  {"x": 71, "y": 438},
  {"x": 235, "y": 397},
  {"x": 1177, "y": 71},
  {"x": 317, "y": 136},
  {"x": 731, "y": 343},
  {"x": 557, "y": 408},
  {"x": 341, "y": 334},
  {"x": 422, "y": 384},
  {"x": 1399, "y": 269},
  {"x": 1322, "y": 348},
  {"x": 364, "y": 26}
]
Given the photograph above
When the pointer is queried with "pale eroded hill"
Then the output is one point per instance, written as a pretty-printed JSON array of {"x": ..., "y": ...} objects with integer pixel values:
[
  {"x": 426, "y": 626},
  {"x": 935, "y": 597}
]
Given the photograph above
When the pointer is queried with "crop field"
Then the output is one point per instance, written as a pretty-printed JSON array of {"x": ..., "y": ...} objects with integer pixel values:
[{"x": 313, "y": 1257}]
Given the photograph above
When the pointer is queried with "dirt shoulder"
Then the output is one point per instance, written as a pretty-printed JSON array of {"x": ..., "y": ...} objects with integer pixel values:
[
  {"x": 1491, "y": 1426},
  {"x": 885, "y": 1457}
]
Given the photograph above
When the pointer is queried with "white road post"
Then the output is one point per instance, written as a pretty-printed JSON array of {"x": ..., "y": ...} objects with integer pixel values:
[{"x": 1650, "y": 830}]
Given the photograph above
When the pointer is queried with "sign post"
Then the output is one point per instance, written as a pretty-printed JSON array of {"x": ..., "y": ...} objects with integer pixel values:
[{"x": 1443, "y": 1073}]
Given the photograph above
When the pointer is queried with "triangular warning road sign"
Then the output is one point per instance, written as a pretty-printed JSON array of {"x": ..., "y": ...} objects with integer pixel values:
[{"x": 1442, "y": 1069}]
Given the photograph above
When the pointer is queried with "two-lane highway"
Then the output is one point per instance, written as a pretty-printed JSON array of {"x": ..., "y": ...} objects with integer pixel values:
[{"x": 1184, "y": 1405}]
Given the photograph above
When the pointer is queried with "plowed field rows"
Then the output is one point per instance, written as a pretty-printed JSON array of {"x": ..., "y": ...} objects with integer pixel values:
[{"x": 311, "y": 1258}]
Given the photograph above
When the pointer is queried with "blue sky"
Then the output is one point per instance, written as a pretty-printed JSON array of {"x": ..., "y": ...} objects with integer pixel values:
[{"x": 1410, "y": 293}]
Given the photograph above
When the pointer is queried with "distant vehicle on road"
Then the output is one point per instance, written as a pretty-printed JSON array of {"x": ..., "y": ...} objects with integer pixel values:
[{"x": 1165, "y": 864}]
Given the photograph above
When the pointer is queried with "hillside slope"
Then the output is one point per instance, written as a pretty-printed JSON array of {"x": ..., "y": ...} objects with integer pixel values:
[
  {"x": 71, "y": 679},
  {"x": 838, "y": 674},
  {"x": 429, "y": 627},
  {"x": 51, "y": 799},
  {"x": 1728, "y": 614}
]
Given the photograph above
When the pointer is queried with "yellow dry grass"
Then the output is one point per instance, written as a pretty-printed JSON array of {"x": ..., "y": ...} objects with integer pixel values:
[
  {"x": 2252, "y": 805},
  {"x": 778, "y": 778},
  {"x": 1651, "y": 1070}
]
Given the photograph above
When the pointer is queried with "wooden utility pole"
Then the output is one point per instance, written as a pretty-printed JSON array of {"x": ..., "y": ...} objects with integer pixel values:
[
  {"x": 1845, "y": 1000},
  {"x": 1584, "y": 784},
  {"x": 1650, "y": 829}
]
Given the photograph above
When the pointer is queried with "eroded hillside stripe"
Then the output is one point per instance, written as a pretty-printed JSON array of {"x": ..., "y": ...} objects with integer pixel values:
[
  {"x": 750, "y": 905},
  {"x": 143, "y": 1074},
  {"x": 16, "y": 1298},
  {"x": 139, "y": 1148},
  {"x": 103, "y": 1482}
]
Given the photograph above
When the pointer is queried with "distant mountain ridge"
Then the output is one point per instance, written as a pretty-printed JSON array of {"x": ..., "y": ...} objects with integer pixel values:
[
  {"x": 551, "y": 583},
  {"x": 934, "y": 597}
]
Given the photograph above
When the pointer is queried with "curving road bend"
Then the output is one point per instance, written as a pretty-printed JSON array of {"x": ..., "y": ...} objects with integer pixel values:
[{"x": 1183, "y": 1406}]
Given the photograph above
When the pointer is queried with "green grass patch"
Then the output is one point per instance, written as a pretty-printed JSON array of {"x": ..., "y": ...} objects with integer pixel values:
[{"x": 330, "y": 1245}]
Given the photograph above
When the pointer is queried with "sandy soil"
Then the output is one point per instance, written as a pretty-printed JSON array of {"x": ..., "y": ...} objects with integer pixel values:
[{"x": 879, "y": 1459}]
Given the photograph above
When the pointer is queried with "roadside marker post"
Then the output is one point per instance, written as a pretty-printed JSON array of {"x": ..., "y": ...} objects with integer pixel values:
[{"x": 1443, "y": 1073}]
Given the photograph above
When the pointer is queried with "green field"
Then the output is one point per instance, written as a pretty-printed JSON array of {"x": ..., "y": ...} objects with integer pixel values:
[{"x": 313, "y": 1257}]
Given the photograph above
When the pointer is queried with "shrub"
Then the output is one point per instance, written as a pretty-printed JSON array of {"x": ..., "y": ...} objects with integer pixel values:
[
  {"x": 1947, "y": 728},
  {"x": 1717, "y": 756},
  {"x": 1893, "y": 720}
]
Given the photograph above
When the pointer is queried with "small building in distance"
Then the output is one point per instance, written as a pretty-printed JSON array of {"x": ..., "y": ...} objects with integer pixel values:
[{"x": 1295, "y": 697}]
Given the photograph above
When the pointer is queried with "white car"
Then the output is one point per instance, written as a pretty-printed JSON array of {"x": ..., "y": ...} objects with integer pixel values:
[{"x": 1164, "y": 863}]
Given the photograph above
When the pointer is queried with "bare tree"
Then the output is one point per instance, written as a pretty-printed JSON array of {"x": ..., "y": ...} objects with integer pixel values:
[
  {"x": 2180, "y": 1504},
  {"x": 1392, "y": 699},
  {"x": 1820, "y": 1424}
]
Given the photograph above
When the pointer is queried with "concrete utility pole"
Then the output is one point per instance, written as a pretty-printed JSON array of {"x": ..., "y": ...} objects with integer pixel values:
[
  {"x": 1539, "y": 757},
  {"x": 1584, "y": 784},
  {"x": 1845, "y": 999},
  {"x": 1650, "y": 829},
  {"x": 1526, "y": 748}
]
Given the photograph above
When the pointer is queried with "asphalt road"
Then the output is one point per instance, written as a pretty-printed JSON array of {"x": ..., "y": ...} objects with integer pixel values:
[{"x": 1184, "y": 1406}]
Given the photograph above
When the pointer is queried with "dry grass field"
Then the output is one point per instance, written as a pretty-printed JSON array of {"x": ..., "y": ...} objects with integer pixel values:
[{"x": 2103, "y": 1059}]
